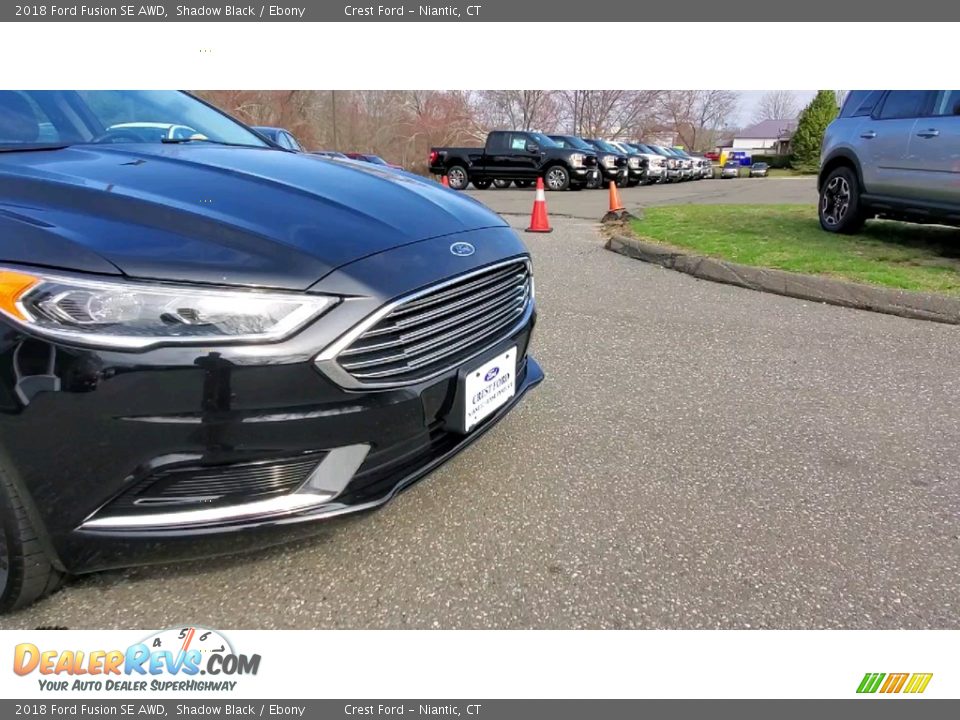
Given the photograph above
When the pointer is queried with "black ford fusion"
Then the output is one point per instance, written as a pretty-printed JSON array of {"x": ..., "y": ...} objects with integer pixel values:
[{"x": 208, "y": 343}]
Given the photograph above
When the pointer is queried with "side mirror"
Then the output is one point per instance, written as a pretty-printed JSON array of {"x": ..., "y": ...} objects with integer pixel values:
[{"x": 532, "y": 147}]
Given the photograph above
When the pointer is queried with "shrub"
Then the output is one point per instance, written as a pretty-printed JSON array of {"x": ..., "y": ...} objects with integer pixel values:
[{"x": 811, "y": 126}]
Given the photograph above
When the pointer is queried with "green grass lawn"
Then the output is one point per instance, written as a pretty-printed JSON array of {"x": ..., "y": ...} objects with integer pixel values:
[{"x": 788, "y": 237}]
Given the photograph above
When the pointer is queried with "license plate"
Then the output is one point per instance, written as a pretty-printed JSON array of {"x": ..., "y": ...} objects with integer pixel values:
[{"x": 489, "y": 387}]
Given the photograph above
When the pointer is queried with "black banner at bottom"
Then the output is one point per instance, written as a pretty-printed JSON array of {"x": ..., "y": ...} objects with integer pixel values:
[{"x": 872, "y": 708}]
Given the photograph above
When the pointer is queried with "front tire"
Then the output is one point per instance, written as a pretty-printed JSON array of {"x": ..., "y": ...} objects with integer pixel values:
[
  {"x": 556, "y": 178},
  {"x": 523, "y": 183},
  {"x": 839, "y": 207},
  {"x": 26, "y": 573},
  {"x": 481, "y": 184},
  {"x": 457, "y": 177},
  {"x": 501, "y": 184}
]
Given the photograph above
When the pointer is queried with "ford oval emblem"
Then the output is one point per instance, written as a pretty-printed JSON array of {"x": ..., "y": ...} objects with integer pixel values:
[
  {"x": 462, "y": 249},
  {"x": 491, "y": 374}
]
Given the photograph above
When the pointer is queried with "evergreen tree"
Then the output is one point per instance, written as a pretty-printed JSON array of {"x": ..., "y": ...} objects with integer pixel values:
[{"x": 811, "y": 126}]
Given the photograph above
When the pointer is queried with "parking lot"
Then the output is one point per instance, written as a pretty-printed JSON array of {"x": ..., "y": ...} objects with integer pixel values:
[
  {"x": 700, "y": 456},
  {"x": 591, "y": 204}
]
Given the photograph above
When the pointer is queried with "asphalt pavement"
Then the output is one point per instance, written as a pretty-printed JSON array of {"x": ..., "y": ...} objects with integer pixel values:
[
  {"x": 699, "y": 456},
  {"x": 591, "y": 204}
]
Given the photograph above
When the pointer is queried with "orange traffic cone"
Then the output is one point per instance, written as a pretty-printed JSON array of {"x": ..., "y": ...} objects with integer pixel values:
[
  {"x": 444, "y": 181},
  {"x": 538, "y": 218},
  {"x": 617, "y": 211}
]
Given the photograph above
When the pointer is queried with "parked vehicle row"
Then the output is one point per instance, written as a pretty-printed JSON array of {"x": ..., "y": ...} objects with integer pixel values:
[
  {"x": 515, "y": 155},
  {"x": 564, "y": 162}
]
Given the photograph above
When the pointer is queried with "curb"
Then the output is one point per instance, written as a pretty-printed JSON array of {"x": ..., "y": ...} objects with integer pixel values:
[{"x": 914, "y": 305}]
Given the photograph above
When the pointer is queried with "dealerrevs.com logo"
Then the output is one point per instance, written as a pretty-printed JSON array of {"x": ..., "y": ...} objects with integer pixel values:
[{"x": 179, "y": 659}]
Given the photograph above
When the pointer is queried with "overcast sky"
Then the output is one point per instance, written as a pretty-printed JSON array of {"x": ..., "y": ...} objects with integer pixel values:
[{"x": 750, "y": 99}]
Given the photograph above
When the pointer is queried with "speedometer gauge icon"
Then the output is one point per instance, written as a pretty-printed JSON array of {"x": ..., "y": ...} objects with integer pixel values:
[{"x": 183, "y": 639}]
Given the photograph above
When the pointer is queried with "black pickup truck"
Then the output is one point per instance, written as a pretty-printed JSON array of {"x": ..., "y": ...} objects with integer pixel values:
[{"x": 514, "y": 155}]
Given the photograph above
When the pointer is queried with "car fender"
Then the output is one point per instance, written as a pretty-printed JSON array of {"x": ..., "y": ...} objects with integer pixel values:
[{"x": 841, "y": 155}]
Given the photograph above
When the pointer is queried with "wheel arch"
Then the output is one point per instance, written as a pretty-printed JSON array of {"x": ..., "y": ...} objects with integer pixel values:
[
  {"x": 552, "y": 164},
  {"x": 840, "y": 158}
]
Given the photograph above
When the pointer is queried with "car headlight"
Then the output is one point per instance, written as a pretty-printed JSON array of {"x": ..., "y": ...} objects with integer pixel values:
[
  {"x": 609, "y": 161},
  {"x": 577, "y": 159},
  {"x": 634, "y": 162},
  {"x": 134, "y": 316}
]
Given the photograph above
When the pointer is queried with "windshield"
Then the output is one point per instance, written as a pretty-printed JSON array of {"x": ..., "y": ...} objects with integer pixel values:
[
  {"x": 542, "y": 140},
  {"x": 57, "y": 118},
  {"x": 604, "y": 145},
  {"x": 571, "y": 142}
]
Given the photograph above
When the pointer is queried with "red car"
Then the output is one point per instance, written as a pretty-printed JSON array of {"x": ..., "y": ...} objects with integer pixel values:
[{"x": 375, "y": 159}]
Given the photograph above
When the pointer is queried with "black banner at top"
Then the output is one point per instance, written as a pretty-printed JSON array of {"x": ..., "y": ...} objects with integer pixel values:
[{"x": 738, "y": 11}]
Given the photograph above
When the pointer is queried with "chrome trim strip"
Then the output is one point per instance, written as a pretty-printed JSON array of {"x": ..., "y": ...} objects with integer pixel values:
[
  {"x": 328, "y": 480},
  {"x": 405, "y": 320},
  {"x": 518, "y": 296},
  {"x": 412, "y": 310},
  {"x": 421, "y": 360},
  {"x": 441, "y": 337},
  {"x": 327, "y": 363}
]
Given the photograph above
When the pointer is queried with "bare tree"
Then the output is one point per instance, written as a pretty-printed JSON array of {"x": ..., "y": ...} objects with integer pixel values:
[
  {"x": 517, "y": 109},
  {"x": 402, "y": 126},
  {"x": 611, "y": 114},
  {"x": 698, "y": 115},
  {"x": 777, "y": 105}
]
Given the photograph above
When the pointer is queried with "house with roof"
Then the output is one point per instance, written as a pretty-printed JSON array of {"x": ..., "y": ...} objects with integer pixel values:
[{"x": 768, "y": 137}]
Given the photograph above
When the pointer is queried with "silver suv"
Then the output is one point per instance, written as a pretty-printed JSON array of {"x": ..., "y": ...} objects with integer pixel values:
[{"x": 891, "y": 154}]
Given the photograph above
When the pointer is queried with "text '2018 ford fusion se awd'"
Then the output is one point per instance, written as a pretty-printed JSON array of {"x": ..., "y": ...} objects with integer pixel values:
[{"x": 210, "y": 342}]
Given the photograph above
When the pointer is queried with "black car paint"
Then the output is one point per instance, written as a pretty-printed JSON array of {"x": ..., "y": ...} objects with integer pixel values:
[
  {"x": 79, "y": 425},
  {"x": 619, "y": 172},
  {"x": 211, "y": 214},
  {"x": 496, "y": 160}
]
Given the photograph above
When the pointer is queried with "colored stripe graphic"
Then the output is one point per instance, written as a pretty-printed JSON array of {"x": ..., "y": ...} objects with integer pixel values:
[
  {"x": 918, "y": 682},
  {"x": 870, "y": 682},
  {"x": 894, "y": 682}
]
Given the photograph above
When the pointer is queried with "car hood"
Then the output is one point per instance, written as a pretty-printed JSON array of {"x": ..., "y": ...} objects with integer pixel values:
[{"x": 215, "y": 214}]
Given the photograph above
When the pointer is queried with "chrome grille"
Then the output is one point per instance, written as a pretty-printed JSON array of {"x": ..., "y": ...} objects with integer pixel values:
[{"x": 439, "y": 328}]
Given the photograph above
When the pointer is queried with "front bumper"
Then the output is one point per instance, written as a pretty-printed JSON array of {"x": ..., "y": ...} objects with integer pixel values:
[
  {"x": 114, "y": 419},
  {"x": 616, "y": 174},
  {"x": 583, "y": 175},
  {"x": 654, "y": 173}
]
